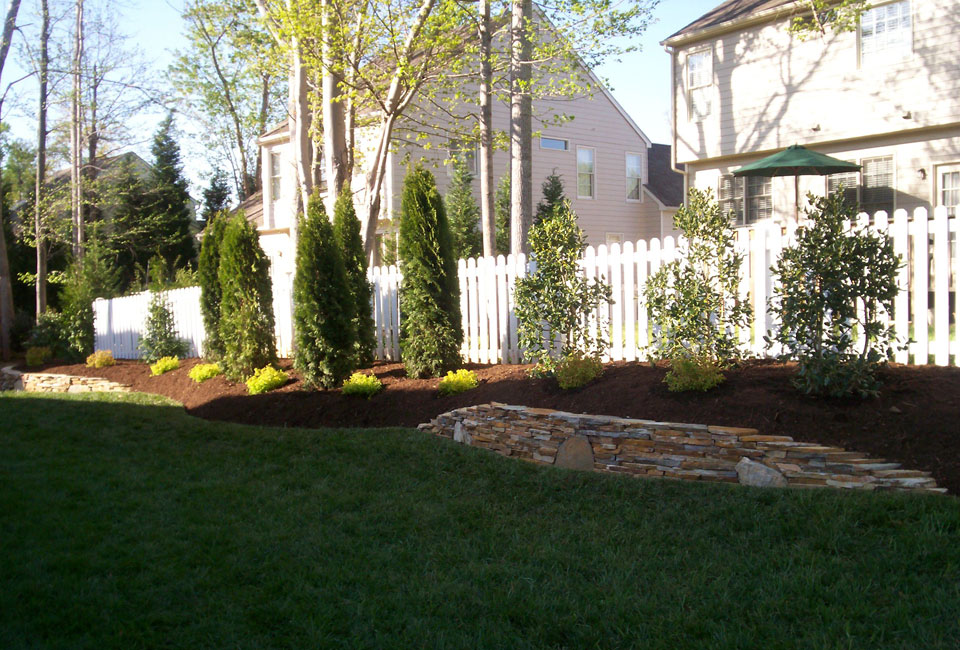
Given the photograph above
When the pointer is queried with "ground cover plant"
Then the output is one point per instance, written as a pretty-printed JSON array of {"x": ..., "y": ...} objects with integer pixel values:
[
  {"x": 128, "y": 523},
  {"x": 164, "y": 365},
  {"x": 362, "y": 385},
  {"x": 458, "y": 382},
  {"x": 266, "y": 379},
  {"x": 101, "y": 359},
  {"x": 576, "y": 370},
  {"x": 204, "y": 371}
]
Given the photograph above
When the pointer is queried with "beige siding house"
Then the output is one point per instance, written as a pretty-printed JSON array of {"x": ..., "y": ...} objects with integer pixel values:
[
  {"x": 619, "y": 182},
  {"x": 884, "y": 96}
]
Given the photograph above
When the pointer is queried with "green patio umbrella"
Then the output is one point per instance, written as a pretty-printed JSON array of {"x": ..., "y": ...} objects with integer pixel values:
[{"x": 796, "y": 161}]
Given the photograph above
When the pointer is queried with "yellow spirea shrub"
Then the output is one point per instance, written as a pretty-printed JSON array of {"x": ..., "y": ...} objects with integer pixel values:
[
  {"x": 164, "y": 364},
  {"x": 362, "y": 385},
  {"x": 204, "y": 371},
  {"x": 457, "y": 382},
  {"x": 577, "y": 370},
  {"x": 101, "y": 359},
  {"x": 266, "y": 378},
  {"x": 693, "y": 374},
  {"x": 37, "y": 356}
]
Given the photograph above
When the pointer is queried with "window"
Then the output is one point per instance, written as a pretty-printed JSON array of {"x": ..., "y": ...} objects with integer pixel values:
[
  {"x": 275, "y": 175},
  {"x": 948, "y": 188},
  {"x": 586, "y": 172},
  {"x": 876, "y": 193},
  {"x": 614, "y": 238},
  {"x": 469, "y": 152},
  {"x": 750, "y": 199},
  {"x": 849, "y": 181},
  {"x": 555, "y": 144},
  {"x": 885, "y": 32},
  {"x": 634, "y": 176},
  {"x": 699, "y": 82}
]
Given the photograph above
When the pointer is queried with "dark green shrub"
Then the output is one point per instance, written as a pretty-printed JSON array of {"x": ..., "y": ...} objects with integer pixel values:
[
  {"x": 687, "y": 374},
  {"x": 266, "y": 379},
  {"x": 209, "y": 278},
  {"x": 246, "y": 301},
  {"x": 362, "y": 385},
  {"x": 50, "y": 332},
  {"x": 37, "y": 356},
  {"x": 160, "y": 337},
  {"x": 553, "y": 302},
  {"x": 576, "y": 370},
  {"x": 346, "y": 228},
  {"x": 552, "y": 196},
  {"x": 694, "y": 300},
  {"x": 323, "y": 308},
  {"x": 96, "y": 277},
  {"x": 430, "y": 328},
  {"x": 831, "y": 288},
  {"x": 463, "y": 213},
  {"x": 458, "y": 382}
]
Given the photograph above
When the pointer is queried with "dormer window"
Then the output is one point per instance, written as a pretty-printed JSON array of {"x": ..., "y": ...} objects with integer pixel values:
[{"x": 886, "y": 32}]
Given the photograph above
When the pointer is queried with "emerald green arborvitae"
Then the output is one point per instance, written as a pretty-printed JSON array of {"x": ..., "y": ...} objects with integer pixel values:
[
  {"x": 246, "y": 301},
  {"x": 209, "y": 275},
  {"x": 346, "y": 228},
  {"x": 323, "y": 307},
  {"x": 463, "y": 213},
  {"x": 552, "y": 197},
  {"x": 430, "y": 327},
  {"x": 501, "y": 211}
]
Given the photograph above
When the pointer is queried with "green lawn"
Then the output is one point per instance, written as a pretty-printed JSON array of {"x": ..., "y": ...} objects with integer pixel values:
[{"x": 125, "y": 523}]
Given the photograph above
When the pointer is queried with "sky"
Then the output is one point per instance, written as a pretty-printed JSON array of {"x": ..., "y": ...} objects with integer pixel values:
[{"x": 640, "y": 81}]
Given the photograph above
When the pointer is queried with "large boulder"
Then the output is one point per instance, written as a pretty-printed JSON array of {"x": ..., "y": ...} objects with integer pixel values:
[{"x": 756, "y": 474}]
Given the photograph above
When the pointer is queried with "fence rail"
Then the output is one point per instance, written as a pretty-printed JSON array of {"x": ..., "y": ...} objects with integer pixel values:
[{"x": 926, "y": 309}]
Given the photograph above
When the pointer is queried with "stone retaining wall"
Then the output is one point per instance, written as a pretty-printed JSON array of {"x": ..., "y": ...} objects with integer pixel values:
[
  {"x": 41, "y": 382},
  {"x": 693, "y": 452}
]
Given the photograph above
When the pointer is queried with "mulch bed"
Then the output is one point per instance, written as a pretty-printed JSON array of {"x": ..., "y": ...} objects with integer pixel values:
[{"x": 915, "y": 421}]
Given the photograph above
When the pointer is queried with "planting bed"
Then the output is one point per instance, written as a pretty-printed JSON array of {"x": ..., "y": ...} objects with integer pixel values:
[{"x": 915, "y": 421}]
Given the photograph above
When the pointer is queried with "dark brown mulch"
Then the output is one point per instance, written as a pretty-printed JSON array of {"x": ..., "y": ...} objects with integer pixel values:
[{"x": 915, "y": 421}]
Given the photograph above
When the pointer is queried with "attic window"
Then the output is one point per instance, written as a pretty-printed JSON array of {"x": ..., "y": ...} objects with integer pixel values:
[{"x": 555, "y": 144}]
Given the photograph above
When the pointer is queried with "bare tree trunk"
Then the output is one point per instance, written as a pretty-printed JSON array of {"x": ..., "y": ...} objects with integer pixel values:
[
  {"x": 334, "y": 119},
  {"x": 76, "y": 191},
  {"x": 487, "y": 218},
  {"x": 521, "y": 127},
  {"x": 262, "y": 127},
  {"x": 374, "y": 188},
  {"x": 39, "y": 234},
  {"x": 6, "y": 284}
]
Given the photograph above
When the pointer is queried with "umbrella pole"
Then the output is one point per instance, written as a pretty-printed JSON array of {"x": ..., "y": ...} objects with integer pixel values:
[{"x": 796, "y": 199}]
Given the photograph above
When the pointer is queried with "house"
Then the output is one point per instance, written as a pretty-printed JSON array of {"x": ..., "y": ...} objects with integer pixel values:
[
  {"x": 619, "y": 182},
  {"x": 883, "y": 96}
]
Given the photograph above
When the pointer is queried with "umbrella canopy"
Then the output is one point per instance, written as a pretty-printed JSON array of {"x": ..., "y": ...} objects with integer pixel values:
[{"x": 796, "y": 161}]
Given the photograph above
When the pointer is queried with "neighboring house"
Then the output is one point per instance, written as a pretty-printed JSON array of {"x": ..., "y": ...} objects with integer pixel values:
[
  {"x": 619, "y": 183},
  {"x": 884, "y": 96}
]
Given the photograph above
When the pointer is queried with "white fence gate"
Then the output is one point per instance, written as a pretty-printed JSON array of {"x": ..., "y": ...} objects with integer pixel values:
[{"x": 927, "y": 308}]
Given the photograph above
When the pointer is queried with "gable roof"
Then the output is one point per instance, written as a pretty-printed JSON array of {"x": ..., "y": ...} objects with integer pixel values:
[
  {"x": 665, "y": 184},
  {"x": 728, "y": 12}
]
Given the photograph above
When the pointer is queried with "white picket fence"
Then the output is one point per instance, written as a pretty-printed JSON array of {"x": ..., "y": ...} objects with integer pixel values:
[{"x": 928, "y": 284}]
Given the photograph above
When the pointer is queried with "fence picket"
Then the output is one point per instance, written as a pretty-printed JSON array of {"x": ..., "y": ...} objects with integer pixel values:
[
  {"x": 921, "y": 264},
  {"x": 941, "y": 287}
]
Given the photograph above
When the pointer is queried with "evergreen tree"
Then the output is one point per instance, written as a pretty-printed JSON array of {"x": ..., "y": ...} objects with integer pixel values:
[
  {"x": 160, "y": 337},
  {"x": 501, "y": 210},
  {"x": 325, "y": 336},
  {"x": 216, "y": 196},
  {"x": 169, "y": 199},
  {"x": 463, "y": 212},
  {"x": 552, "y": 196},
  {"x": 208, "y": 271},
  {"x": 430, "y": 331},
  {"x": 246, "y": 301},
  {"x": 346, "y": 228}
]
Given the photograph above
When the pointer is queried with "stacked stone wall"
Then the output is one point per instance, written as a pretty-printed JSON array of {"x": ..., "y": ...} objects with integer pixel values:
[
  {"x": 40, "y": 382},
  {"x": 693, "y": 452}
]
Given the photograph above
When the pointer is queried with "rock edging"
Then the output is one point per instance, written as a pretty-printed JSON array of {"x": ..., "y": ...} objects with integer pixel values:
[
  {"x": 43, "y": 382},
  {"x": 694, "y": 452}
]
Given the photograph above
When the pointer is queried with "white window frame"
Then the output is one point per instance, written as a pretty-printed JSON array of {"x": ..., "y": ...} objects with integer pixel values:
[
  {"x": 855, "y": 188},
  {"x": 699, "y": 95},
  {"x": 612, "y": 238},
  {"x": 628, "y": 178},
  {"x": 566, "y": 143},
  {"x": 884, "y": 56},
  {"x": 276, "y": 176},
  {"x": 473, "y": 163},
  {"x": 741, "y": 199},
  {"x": 869, "y": 207},
  {"x": 951, "y": 167},
  {"x": 593, "y": 173}
]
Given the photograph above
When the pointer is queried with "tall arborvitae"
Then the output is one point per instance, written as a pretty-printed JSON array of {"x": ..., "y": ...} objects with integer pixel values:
[
  {"x": 216, "y": 196},
  {"x": 246, "y": 301},
  {"x": 501, "y": 210},
  {"x": 346, "y": 227},
  {"x": 463, "y": 212},
  {"x": 430, "y": 330},
  {"x": 323, "y": 309},
  {"x": 169, "y": 198},
  {"x": 552, "y": 196},
  {"x": 209, "y": 276}
]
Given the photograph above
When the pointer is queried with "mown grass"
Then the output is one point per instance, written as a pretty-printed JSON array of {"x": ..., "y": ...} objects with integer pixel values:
[{"x": 125, "y": 523}]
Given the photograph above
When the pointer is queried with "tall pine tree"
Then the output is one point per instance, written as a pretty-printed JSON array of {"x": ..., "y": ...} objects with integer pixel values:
[
  {"x": 209, "y": 276},
  {"x": 552, "y": 196},
  {"x": 323, "y": 308},
  {"x": 430, "y": 331},
  {"x": 216, "y": 196},
  {"x": 346, "y": 228},
  {"x": 463, "y": 212},
  {"x": 169, "y": 199},
  {"x": 246, "y": 301}
]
